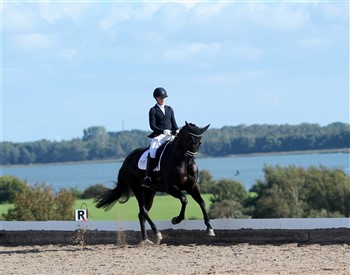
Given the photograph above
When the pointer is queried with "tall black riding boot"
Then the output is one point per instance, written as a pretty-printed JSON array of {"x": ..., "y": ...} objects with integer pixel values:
[{"x": 151, "y": 164}]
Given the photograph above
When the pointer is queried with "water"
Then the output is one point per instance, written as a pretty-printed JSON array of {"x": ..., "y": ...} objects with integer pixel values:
[{"x": 245, "y": 169}]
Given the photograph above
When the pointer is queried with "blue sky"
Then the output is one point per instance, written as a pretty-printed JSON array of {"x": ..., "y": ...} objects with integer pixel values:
[{"x": 67, "y": 66}]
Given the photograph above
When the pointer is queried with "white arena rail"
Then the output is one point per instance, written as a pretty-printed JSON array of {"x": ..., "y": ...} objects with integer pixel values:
[{"x": 217, "y": 224}]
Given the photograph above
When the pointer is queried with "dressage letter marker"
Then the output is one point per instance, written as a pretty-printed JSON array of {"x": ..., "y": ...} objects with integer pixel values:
[{"x": 81, "y": 215}]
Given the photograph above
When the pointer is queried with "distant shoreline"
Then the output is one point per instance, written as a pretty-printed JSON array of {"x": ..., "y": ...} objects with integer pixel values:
[{"x": 324, "y": 151}]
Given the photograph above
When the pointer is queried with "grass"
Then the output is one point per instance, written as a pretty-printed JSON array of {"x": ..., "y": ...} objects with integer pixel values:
[
  {"x": 164, "y": 207},
  {"x": 4, "y": 208}
]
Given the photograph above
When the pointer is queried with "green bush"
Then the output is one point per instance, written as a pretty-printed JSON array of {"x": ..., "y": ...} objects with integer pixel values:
[
  {"x": 77, "y": 193},
  {"x": 206, "y": 181},
  {"x": 227, "y": 209},
  {"x": 226, "y": 189},
  {"x": 9, "y": 187},
  {"x": 40, "y": 203},
  {"x": 293, "y": 192},
  {"x": 228, "y": 200},
  {"x": 93, "y": 191}
]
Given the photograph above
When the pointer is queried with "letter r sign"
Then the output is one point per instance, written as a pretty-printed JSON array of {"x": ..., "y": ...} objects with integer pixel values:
[{"x": 81, "y": 215}]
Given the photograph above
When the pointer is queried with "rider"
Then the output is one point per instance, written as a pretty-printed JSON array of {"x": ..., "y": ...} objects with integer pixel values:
[{"x": 162, "y": 122}]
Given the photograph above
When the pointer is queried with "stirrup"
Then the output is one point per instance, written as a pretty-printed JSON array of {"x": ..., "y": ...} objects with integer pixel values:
[{"x": 147, "y": 182}]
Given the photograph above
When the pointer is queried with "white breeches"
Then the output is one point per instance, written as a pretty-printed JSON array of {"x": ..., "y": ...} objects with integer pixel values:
[{"x": 156, "y": 143}]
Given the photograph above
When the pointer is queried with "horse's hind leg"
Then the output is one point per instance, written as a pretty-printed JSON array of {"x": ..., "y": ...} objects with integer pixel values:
[
  {"x": 142, "y": 226},
  {"x": 148, "y": 199},
  {"x": 143, "y": 215},
  {"x": 194, "y": 192}
]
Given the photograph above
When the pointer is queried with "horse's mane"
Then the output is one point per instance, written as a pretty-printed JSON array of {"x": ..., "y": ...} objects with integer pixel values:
[
  {"x": 161, "y": 148},
  {"x": 192, "y": 129}
]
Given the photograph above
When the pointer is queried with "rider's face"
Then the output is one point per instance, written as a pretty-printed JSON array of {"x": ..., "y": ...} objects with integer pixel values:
[{"x": 160, "y": 101}]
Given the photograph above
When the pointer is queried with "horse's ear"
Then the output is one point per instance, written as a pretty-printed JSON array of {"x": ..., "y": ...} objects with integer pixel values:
[
  {"x": 205, "y": 128},
  {"x": 186, "y": 123}
]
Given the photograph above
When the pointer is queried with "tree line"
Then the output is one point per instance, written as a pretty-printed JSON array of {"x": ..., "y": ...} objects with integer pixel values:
[{"x": 99, "y": 144}]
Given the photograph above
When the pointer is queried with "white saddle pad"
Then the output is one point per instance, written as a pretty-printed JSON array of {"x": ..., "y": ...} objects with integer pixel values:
[{"x": 142, "y": 164}]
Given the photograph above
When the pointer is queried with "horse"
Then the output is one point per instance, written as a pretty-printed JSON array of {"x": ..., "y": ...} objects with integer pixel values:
[{"x": 178, "y": 172}]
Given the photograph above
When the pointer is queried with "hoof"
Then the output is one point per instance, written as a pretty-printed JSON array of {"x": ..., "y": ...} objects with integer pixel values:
[
  {"x": 147, "y": 243},
  {"x": 159, "y": 236},
  {"x": 210, "y": 232},
  {"x": 174, "y": 220}
]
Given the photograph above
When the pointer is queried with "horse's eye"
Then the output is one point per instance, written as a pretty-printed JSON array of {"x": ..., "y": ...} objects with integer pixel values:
[{"x": 195, "y": 141}]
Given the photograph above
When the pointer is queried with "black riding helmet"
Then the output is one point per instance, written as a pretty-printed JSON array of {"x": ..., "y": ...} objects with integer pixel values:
[{"x": 160, "y": 92}]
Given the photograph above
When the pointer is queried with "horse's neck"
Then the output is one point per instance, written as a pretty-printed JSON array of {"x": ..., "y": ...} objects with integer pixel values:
[{"x": 179, "y": 149}]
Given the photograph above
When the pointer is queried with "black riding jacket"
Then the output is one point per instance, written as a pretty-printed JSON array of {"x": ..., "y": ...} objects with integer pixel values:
[{"x": 160, "y": 122}]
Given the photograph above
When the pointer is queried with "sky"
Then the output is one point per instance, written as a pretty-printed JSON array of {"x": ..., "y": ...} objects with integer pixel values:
[{"x": 70, "y": 65}]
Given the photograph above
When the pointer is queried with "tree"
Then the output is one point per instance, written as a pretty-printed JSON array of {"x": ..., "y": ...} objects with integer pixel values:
[
  {"x": 328, "y": 191},
  {"x": 95, "y": 133},
  {"x": 281, "y": 194}
]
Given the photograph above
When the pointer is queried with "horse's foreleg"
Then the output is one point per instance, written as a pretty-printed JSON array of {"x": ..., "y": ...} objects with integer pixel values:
[
  {"x": 176, "y": 192},
  {"x": 194, "y": 192}
]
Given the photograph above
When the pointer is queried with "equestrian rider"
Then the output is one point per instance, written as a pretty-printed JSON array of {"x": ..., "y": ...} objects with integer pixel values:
[{"x": 163, "y": 124}]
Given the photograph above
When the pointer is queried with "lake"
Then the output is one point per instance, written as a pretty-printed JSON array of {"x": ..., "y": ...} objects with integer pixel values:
[{"x": 245, "y": 169}]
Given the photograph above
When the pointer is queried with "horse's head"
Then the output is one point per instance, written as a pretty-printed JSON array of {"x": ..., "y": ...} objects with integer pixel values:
[{"x": 191, "y": 136}]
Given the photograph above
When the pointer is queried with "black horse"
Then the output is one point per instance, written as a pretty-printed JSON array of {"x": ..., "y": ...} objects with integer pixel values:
[{"x": 178, "y": 171}]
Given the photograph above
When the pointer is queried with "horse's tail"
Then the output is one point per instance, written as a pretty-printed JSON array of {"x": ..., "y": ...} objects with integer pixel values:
[{"x": 109, "y": 197}]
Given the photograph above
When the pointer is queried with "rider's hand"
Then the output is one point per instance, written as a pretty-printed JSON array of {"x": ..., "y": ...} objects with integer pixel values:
[{"x": 167, "y": 132}]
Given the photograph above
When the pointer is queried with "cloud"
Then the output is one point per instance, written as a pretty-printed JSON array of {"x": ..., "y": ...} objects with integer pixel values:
[
  {"x": 207, "y": 10},
  {"x": 316, "y": 42},
  {"x": 52, "y": 12},
  {"x": 268, "y": 98},
  {"x": 115, "y": 15},
  {"x": 234, "y": 78},
  {"x": 336, "y": 11},
  {"x": 191, "y": 50},
  {"x": 128, "y": 12},
  {"x": 283, "y": 16},
  {"x": 247, "y": 52},
  {"x": 66, "y": 54},
  {"x": 33, "y": 41},
  {"x": 17, "y": 18}
]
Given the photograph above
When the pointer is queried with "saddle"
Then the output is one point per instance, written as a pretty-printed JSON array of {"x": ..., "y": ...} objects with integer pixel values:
[{"x": 142, "y": 163}]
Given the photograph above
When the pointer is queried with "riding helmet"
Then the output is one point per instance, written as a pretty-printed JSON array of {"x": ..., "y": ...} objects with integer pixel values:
[{"x": 160, "y": 92}]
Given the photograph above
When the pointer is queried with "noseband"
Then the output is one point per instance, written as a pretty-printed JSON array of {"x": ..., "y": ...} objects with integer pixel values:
[{"x": 189, "y": 153}]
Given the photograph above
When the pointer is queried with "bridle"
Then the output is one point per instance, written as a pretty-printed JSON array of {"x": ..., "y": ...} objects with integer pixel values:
[{"x": 189, "y": 153}]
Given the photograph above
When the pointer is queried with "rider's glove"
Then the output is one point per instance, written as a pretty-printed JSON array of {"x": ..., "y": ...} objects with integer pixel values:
[{"x": 167, "y": 132}]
